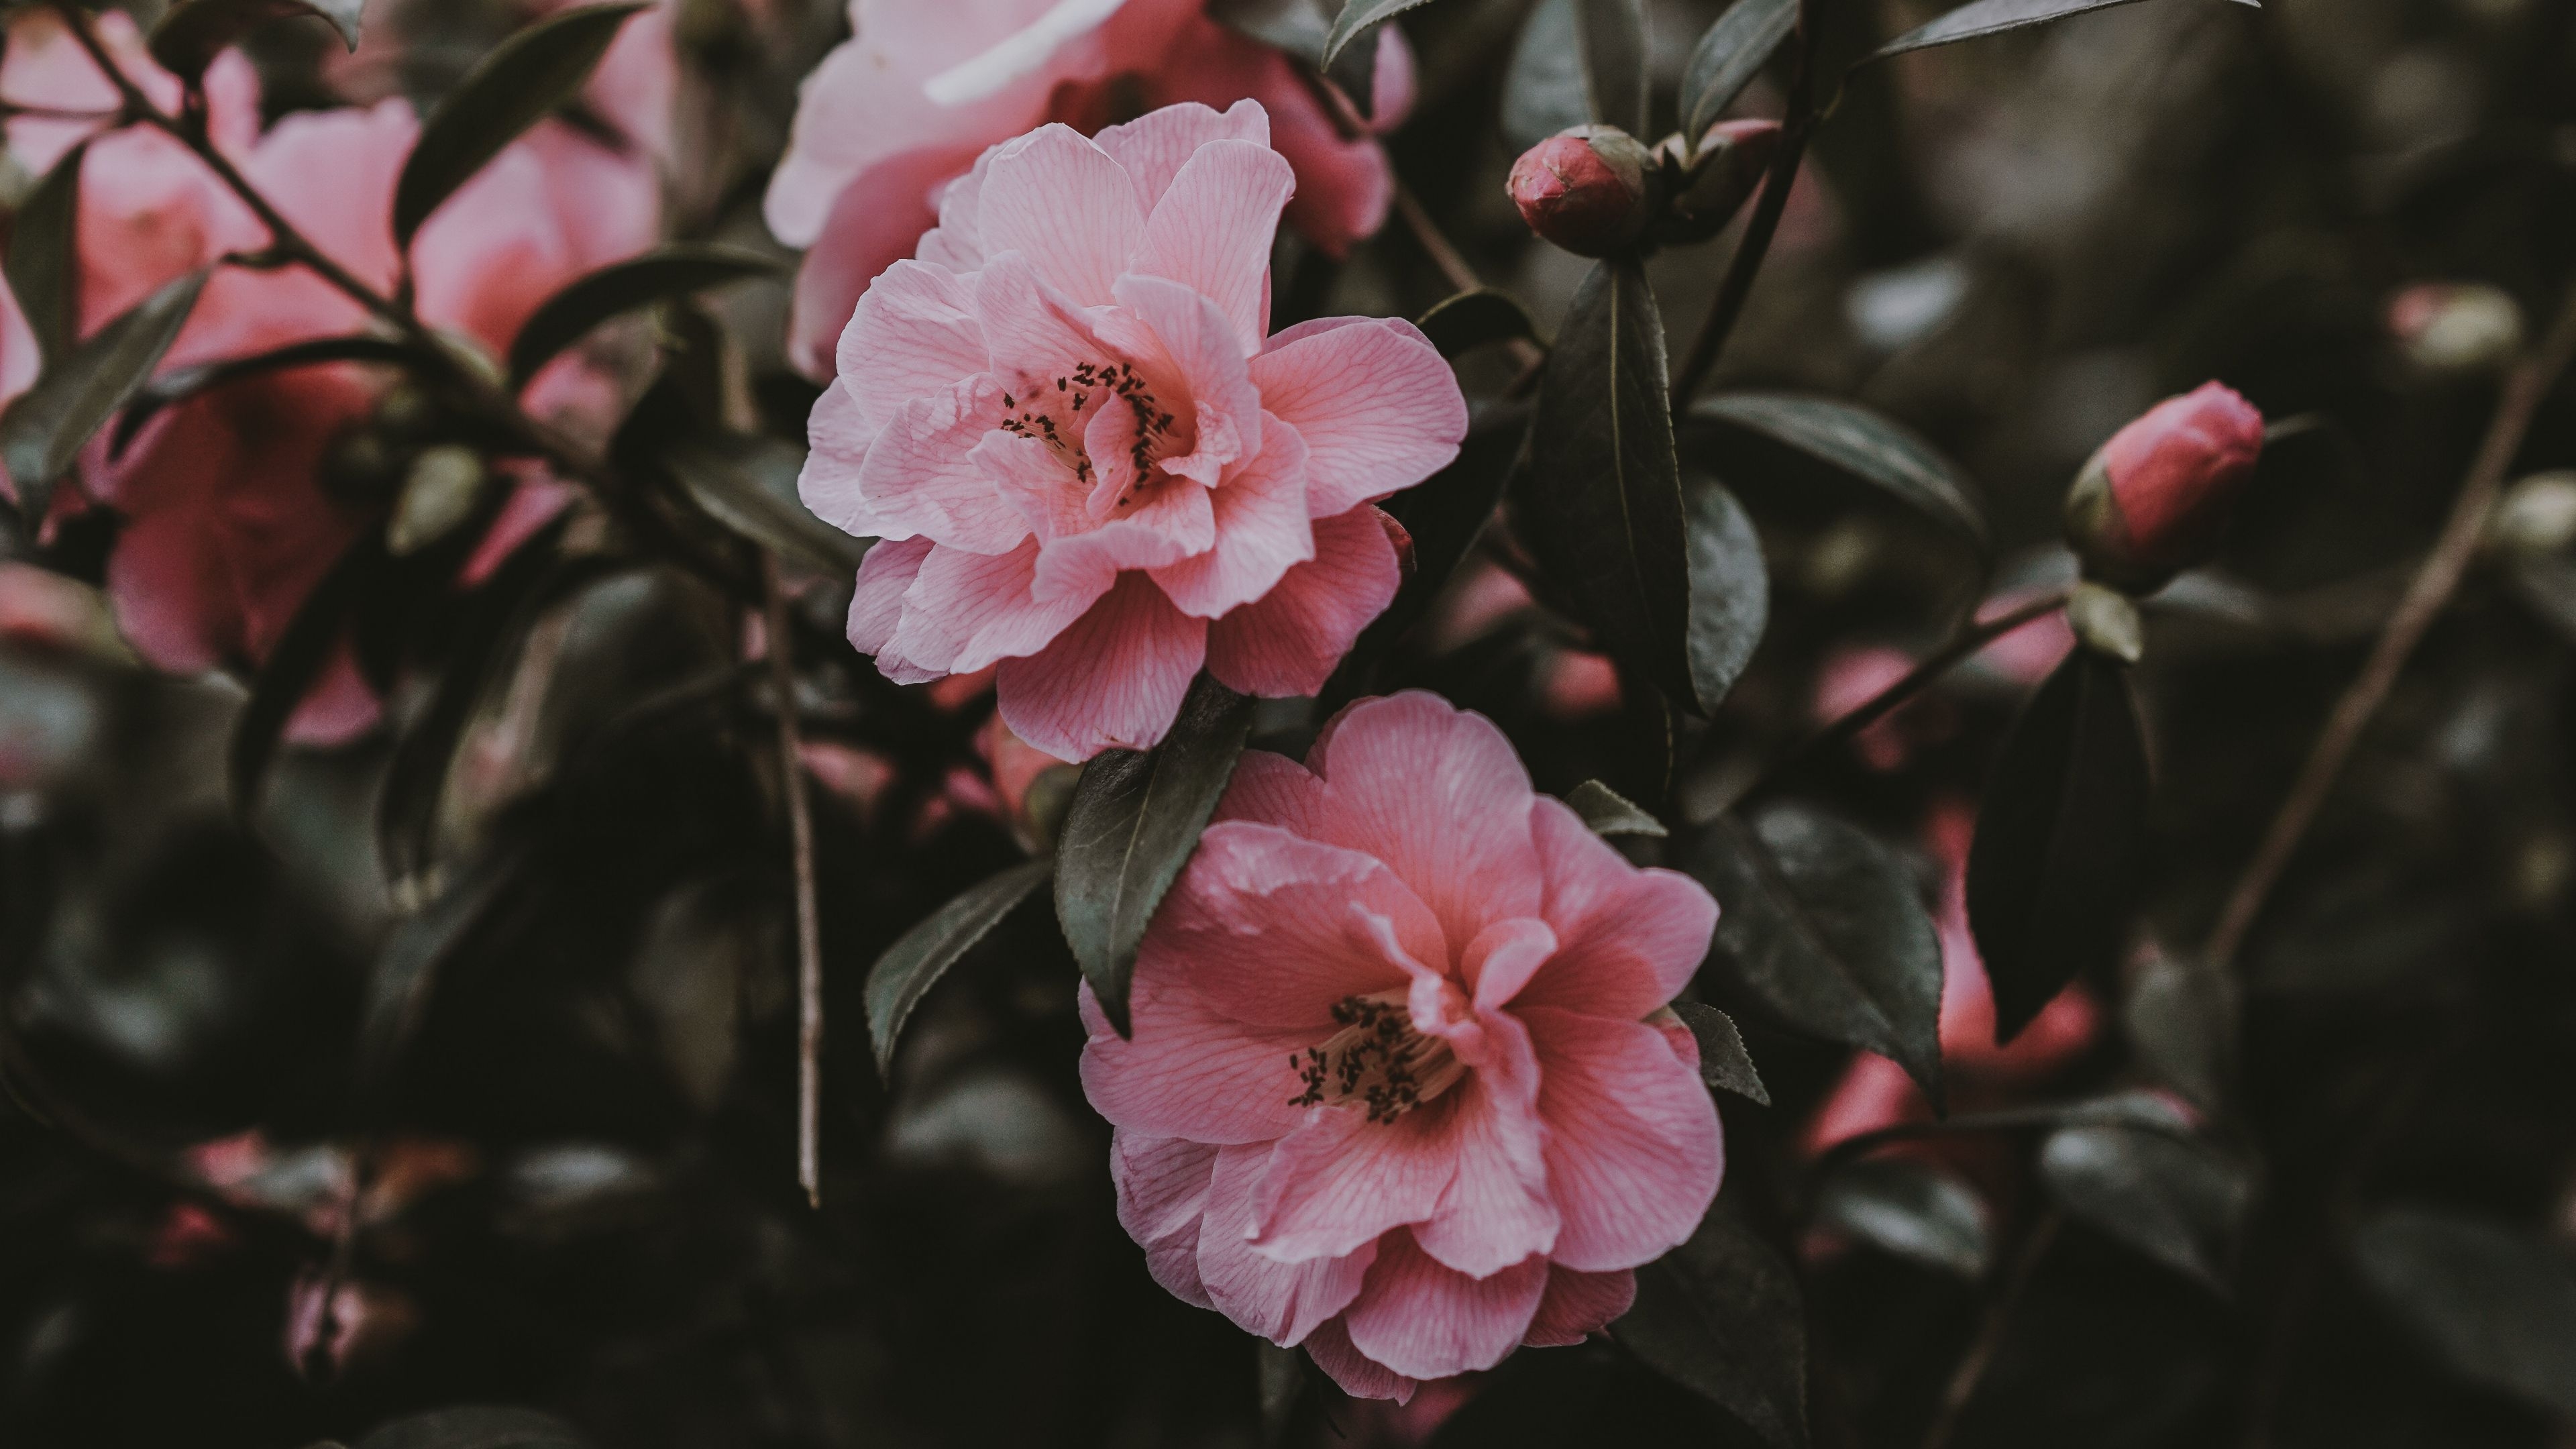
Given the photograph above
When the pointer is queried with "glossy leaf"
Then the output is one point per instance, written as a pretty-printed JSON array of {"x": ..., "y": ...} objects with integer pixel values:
[
  {"x": 1723, "y": 1061},
  {"x": 2060, "y": 836},
  {"x": 43, "y": 262},
  {"x": 194, "y": 32},
  {"x": 182, "y": 383},
  {"x": 520, "y": 83},
  {"x": 2497, "y": 1305},
  {"x": 1444, "y": 515},
  {"x": 1298, "y": 27},
  {"x": 1602, "y": 505},
  {"x": 676, "y": 271},
  {"x": 1577, "y": 62},
  {"x": 1855, "y": 443},
  {"x": 2175, "y": 1199},
  {"x": 1357, "y": 16},
  {"x": 475, "y": 1427},
  {"x": 748, "y": 484},
  {"x": 1730, "y": 591},
  {"x": 46, "y": 427},
  {"x": 319, "y": 626},
  {"x": 1729, "y": 55},
  {"x": 1993, "y": 17},
  {"x": 1134, "y": 822},
  {"x": 1480, "y": 318},
  {"x": 914, "y": 964},
  {"x": 1721, "y": 1316},
  {"x": 1911, "y": 1208},
  {"x": 1827, "y": 929},
  {"x": 409, "y": 962},
  {"x": 1610, "y": 813}
]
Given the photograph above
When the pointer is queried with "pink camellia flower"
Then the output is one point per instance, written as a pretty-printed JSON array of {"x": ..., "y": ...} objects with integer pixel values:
[
  {"x": 921, "y": 90},
  {"x": 1084, "y": 461},
  {"x": 1402, "y": 1086},
  {"x": 227, "y": 525},
  {"x": 2155, "y": 499},
  {"x": 1584, "y": 189}
]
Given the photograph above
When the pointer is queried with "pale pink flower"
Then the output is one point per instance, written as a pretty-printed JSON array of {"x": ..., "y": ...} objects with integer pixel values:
[
  {"x": 1402, "y": 1086},
  {"x": 1084, "y": 461},
  {"x": 921, "y": 89}
]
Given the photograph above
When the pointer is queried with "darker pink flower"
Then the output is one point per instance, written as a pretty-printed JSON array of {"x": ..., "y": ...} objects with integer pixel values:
[
  {"x": 922, "y": 89},
  {"x": 1084, "y": 461},
  {"x": 1402, "y": 1087},
  {"x": 2156, "y": 498}
]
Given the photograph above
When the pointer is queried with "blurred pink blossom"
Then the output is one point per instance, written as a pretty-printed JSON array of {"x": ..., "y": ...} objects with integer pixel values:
[
  {"x": 1402, "y": 1087},
  {"x": 1085, "y": 462},
  {"x": 903, "y": 108}
]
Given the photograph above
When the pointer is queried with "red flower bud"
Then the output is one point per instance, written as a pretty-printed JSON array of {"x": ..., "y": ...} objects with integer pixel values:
[
  {"x": 2155, "y": 499},
  {"x": 1585, "y": 189}
]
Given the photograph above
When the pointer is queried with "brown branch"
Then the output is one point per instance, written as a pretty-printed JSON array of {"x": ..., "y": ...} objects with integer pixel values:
[
  {"x": 2434, "y": 584},
  {"x": 809, "y": 931},
  {"x": 1990, "y": 1335},
  {"x": 1727, "y": 308}
]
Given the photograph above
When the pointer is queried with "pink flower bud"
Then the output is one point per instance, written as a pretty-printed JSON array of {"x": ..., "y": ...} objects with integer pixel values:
[
  {"x": 1585, "y": 189},
  {"x": 2155, "y": 499}
]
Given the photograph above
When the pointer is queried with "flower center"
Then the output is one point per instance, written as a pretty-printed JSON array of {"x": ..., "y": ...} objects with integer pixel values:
[
  {"x": 1060, "y": 417},
  {"x": 1377, "y": 1060}
]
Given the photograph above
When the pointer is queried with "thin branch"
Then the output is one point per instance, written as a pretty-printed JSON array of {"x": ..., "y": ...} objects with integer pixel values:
[
  {"x": 2434, "y": 584},
  {"x": 1727, "y": 308},
  {"x": 1454, "y": 266},
  {"x": 1990, "y": 1335},
  {"x": 809, "y": 930}
]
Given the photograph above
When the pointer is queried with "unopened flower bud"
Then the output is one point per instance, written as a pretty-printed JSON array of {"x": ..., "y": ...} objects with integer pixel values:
[
  {"x": 1585, "y": 189},
  {"x": 2456, "y": 328},
  {"x": 2155, "y": 499},
  {"x": 2538, "y": 514},
  {"x": 439, "y": 494},
  {"x": 1725, "y": 170}
]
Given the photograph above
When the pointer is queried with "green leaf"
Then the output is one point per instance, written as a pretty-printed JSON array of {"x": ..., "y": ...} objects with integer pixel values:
[
  {"x": 182, "y": 383},
  {"x": 1910, "y": 1208},
  {"x": 1723, "y": 1061},
  {"x": 475, "y": 1427},
  {"x": 2496, "y": 1305},
  {"x": 2181, "y": 1019},
  {"x": 1444, "y": 515},
  {"x": 1827, "y": 929},
  {"x": 1478, "y": 318},
  {"x": 1855, "y": 443},
  {"x": 1721, "y": 1316},
  {"x": 748, "y": 484},
  {"x": 1610, "y": 813},
  {"x": 1359, "y": 15},
  {"x": 520, "y": 83},
  {"x": 2175, "y": 1199},
  {"x": 1577, "y": 62},
  {"x": 674, "y": 271},
  {"x": 1602, "y": 508},
  {"x": 43, "y": 263},
  {"x": 193, "y": 33},
  {"x": 1134, "y": 822},
  {"x": 1730, "y": 591},
  {"x": 46, "y": 427},
  {"x": 2060, "y": 837},
  {"x": 914, "y": 964},
  {"x": 1729, "y": 55},
  {"x": 320, "y": 623},
  {"x": 1295, "y": 26},
  {"x": 1993, "y": 17}
]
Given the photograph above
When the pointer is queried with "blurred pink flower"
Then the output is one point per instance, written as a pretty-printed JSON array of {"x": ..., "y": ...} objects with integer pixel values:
[
  {"x": 1083, "y": 460},
  {"x": 903, "y": 108},
  {"x": 1402, "y": 1087},
  {"x": 2157, "y": 497},
  {"x": 228, "y": 528}
]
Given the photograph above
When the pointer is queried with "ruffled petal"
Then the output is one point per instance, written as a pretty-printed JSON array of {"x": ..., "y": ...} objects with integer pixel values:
[
  {"x": 914, "y": 335},
  {"x": 1261, "y": 532},
  {"x": 1112, "y": 680},
  {"x": 1062, "y": 203},
  {"x": 1212, "y": 231},
  {"x": 1162, "y": 1187},
  {"x": 1427, "y": 1321},
  {"x": 1628, "y": 939},
  {"x": 1578, "y": 1305},
  {"x": 1282, "y": 1302},
  {"x": 1633, "y": 1148},
  {"x": 1156, "y": 145},
  {"x": 1289, "y": 641},
  {"x": 1377, "y": 404}
]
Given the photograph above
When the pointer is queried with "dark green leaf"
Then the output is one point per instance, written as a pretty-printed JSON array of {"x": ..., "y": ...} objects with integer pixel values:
[
  {"x": 1356, "y": 16},
  {"x": 320, "y": 625},
  {"x": 1615, "y": 52},
  {"x": 46, "y": 427},
  {"x": 1578, "y": 62},
  {"x": 1443, "y": 514},
  {"x": 520, "y": 83},
  {"x": 748, "y": 484},
  {"x": 1827, "y": 929},
  {"x": 194, "y": 32},
  {"x": 1993, "y": 17},
  {"x": 1729, "y": 55},
  {"x": 1721, "y": 1315},
  {"x": 43, "y": 263},
  {"x": 2060, "y": 835},
  {"x": 1730, "y": 591},
  {"x": 1602, "y": 508},
  {"x": 1476, "y": 319},
  {"x": 1295, "y": 26},
  {"x": 475, "y": 1427},
  {"x": 914, "y": 964},
  {"x": 2175, "y": 1199},
  {"x": 407, "y": 965},
  {"x": 2497, "y": 1305},
  {"x": 674, "y": 271},
  {"x": 2142, "y": 1111},
  {"x": 1610, "y": 813},
  {"x": 1858, "y": 444},
  {"x": 182, "y": 383},
  {"x": 1134, "y": 821},
  {"x": 1723, "y": 1061},
  {"x": 1911, "y": 1208},
  {"x": 2181, "y": 1018}
]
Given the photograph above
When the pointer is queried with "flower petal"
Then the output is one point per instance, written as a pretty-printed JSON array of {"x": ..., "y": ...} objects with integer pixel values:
[
  {"x": 1289, "y": 641},
  {"x": 1282, "y": 1302},
  {"x": 1340, "y": 1179},
  {"x": 1427, "y": 1321},
  {"x": 1628, "y": 939},
  {"x": 1261, "y": 529},
  {"x": 1633, "y": 1148},
  {"x": 1497, "y": 1210},
  {"x": 885, "y": 575},
  {"x": 966, "y": 611},
  {"x": 1376, "y": 403},
  {"x": 1112, "y": 680},
  {"x": 1213, "y": 229},
  {"x": 1358, "y": 1375},
  {"x": 920, "y": 475},
  {"x": 914, "y": 335},
  {"x": 1189, "y": 1072},
  {"x": 1579, "y": 1304},
  {"x": 1061, "y": 202},
  {"x": 1162, "y": 1196},
  {"x": 1156, "y": 145}
]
